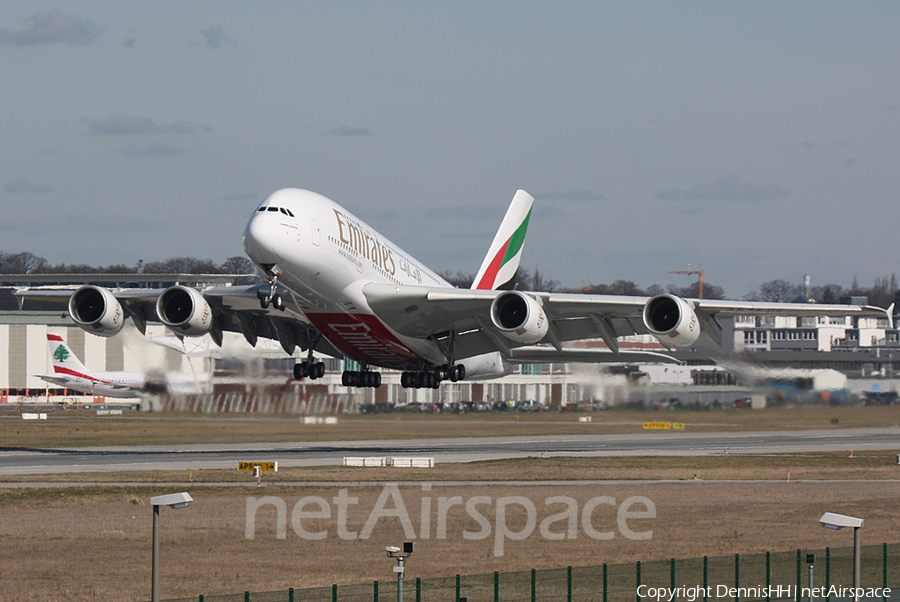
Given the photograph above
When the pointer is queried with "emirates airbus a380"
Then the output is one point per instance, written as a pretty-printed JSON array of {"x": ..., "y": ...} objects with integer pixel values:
[{"x": 338, "y": 287}]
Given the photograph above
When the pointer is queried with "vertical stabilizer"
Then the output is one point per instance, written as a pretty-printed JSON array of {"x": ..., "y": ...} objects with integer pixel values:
[
  {"x": 502, "y": 260},
  {"x": 63, "y": 358}
]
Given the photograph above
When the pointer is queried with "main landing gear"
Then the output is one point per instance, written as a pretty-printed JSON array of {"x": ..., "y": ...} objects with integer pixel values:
[
  {"x": 310, "y": 370},
  {"x": 361, "y": 378},
  {"x": 431, "y": 379}
]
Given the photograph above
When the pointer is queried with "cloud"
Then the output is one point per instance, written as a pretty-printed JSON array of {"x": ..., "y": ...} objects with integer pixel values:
[
  {"x": 465, "y": 212},
  {"x": 129, "y": 42},
  {"x": 730, "y": 188},
  {"x": 241, "y": 196},
  {"x": 375, "y": 215},
  {"x": 121, "y": 125},
  {"x": 547, "y": 212},
  {"x": 53, "y": 28},
  {"x": 154, "y": 149},
  {"x": 570, "y": 195},
  {"x": 215, "y": 37},
  {"x": 21, "y": 185},
  {"x": 43, "y": 222},
  {"x": 346, "y": 131},
  {"x": 801, "y": 145}
]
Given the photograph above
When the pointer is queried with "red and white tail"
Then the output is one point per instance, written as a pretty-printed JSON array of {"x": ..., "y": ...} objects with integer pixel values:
[
  {"x": 64, "y": 359},
  {"x": 502, "y": 260}
]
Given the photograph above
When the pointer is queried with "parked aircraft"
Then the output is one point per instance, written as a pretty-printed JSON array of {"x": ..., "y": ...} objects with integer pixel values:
[
  {"x": 70, "y": 373},
  {"x": 337, "y": 286}
]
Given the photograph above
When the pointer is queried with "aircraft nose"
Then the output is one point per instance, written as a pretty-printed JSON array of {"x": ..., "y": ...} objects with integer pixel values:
[{"x": 259, "y": 238}]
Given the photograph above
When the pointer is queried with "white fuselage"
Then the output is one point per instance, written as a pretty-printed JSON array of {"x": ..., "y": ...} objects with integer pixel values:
[
  {"x": 105, "y": 384},
  {"x": 324, "y": 255}
]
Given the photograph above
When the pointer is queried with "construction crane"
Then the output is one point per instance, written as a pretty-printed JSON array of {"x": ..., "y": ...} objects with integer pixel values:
[{"x": 690, "y": 271}]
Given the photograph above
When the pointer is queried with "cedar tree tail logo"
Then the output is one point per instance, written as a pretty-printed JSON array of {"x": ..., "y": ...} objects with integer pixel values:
[
  {"x": 61, "y": 354},
  {"x": 502, "y": 260}
]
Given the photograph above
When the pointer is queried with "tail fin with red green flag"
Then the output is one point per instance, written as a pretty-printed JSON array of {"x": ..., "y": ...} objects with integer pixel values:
[
  {"x": 499, "y": 266},
  {"x": 64, "y": 359}
]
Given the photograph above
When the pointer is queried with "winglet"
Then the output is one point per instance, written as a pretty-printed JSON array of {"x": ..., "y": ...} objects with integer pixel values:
[
  {"x": 890, "y": 316},
  {"x": 502, "y": 260}
]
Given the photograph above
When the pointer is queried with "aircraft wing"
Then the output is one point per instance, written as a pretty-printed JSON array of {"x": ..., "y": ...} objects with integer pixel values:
[
  {"x": 536, "y": 354},
  {"x": 436, "y": 312},
  {"x": 235, "y": 309}
]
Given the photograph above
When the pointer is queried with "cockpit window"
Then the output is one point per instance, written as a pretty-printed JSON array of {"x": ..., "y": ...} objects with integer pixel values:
[{"x": 276, "y": 210}]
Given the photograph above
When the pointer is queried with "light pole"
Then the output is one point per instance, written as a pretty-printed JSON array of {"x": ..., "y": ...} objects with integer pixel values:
[
  {"x": 173, "y": 500},
  {"x": 830, "y": 520},
  {"x": 394, "y": 552}
]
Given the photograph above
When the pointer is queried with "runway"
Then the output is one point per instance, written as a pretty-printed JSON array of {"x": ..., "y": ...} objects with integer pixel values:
[{"x": 16, "y": 461}]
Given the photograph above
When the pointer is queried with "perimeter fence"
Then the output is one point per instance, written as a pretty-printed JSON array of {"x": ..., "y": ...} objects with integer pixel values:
[{"x": 769, "y": 577}]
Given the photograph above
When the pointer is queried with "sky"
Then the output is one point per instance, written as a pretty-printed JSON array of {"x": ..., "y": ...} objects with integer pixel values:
[{"x": 759, "y": 139}]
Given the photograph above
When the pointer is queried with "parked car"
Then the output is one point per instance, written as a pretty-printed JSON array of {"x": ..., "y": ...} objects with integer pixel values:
[
  {"x": 529, "y": 405},
  {"x": 743, "y": 402}
]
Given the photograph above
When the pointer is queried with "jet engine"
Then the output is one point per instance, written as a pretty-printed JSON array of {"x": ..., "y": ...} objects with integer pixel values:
[
  {"x": 184, "y": 311},
  {"x": 672, "y": 320},
  {"x": 96, "y": 310},
  {"x": 519, "y": 317}
]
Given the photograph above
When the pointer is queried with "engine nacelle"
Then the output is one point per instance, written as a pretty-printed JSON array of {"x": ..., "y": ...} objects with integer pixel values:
[
  {"x": 184, "y": 311},
  {"x": 96, "y": 310},
  {"x": 519, "y": 317},
  {"x": 486, "y": 366},
  {"x": 672, "y": 320}
]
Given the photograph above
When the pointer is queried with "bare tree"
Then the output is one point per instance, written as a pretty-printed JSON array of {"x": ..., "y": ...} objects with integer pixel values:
[
  {"x": 458, "y": 279},
  {"x": 183, "y": 265},
  {"x": 238, "y": 265},
  {"x": 22, "y": 263},
  {"x": 829, "y": 294},
  {"x": 779, "y": 291},
  {"x": 626, "y": 287}
]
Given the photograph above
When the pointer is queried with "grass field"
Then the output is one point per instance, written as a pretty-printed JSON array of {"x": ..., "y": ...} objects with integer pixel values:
[
  {"x": 81, "y": 428},
  {"x": 92, "y": 541}
]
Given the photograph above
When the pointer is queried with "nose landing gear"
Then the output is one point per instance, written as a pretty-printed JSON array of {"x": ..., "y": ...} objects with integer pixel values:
[{"x": 272, "y": 297}]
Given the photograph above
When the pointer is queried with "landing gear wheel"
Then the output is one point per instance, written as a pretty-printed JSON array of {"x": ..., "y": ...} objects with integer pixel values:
[
  {"x": 278, "y": 303},
  {"x": 301, "y": 371}
]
